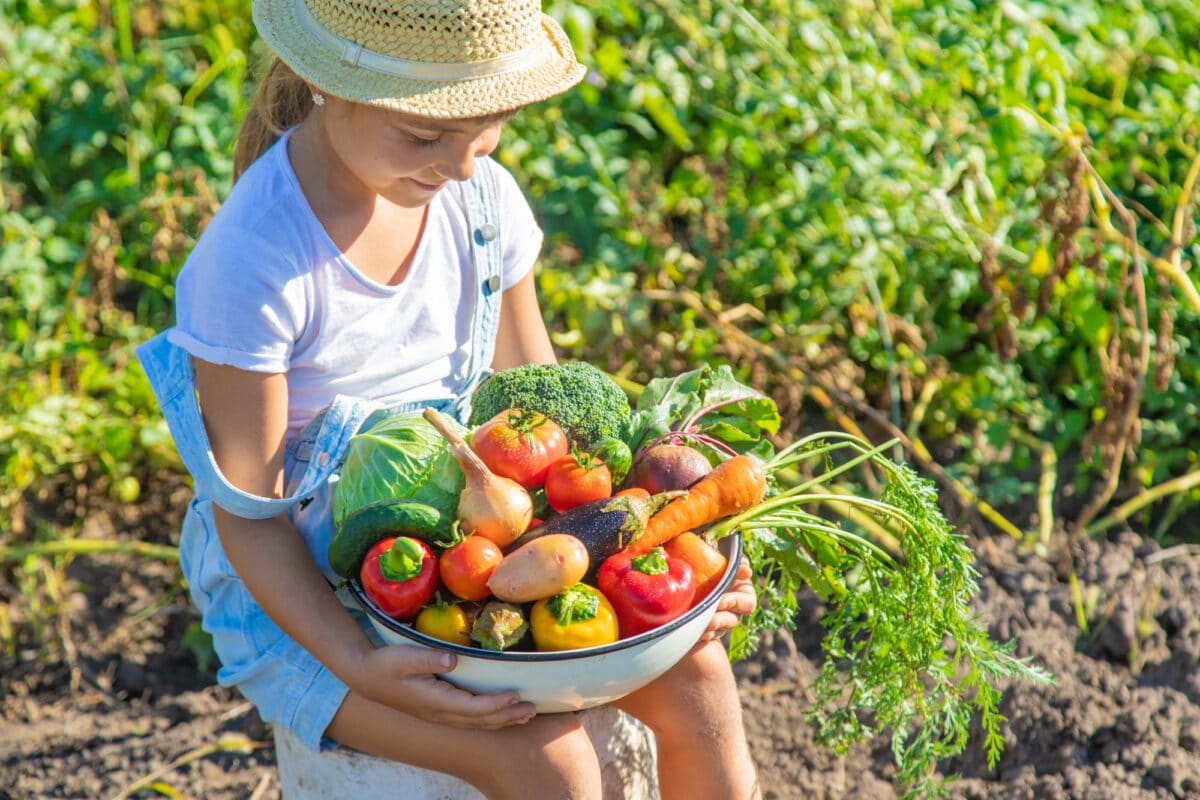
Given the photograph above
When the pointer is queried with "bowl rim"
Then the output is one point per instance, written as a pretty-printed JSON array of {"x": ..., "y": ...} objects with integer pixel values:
[{"x": 510, "y": 656}]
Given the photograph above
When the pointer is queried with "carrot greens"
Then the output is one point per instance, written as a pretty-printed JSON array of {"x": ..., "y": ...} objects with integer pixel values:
[{"x": 905, "y": 654}]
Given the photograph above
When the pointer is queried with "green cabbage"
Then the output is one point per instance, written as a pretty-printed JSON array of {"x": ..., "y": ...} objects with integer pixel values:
[{"x": 402, "y": 456}]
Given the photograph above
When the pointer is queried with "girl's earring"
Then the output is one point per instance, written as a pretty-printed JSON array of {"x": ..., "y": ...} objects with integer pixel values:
[{"x": 318, "y": 99}]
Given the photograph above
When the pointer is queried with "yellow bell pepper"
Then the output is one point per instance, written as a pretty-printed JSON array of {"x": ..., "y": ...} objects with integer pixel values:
[
  {"x": 574, "y": 618},
  {"x": 445, "y": 621}
]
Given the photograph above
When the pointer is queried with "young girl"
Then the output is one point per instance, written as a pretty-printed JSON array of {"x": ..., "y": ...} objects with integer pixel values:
[{"x": 370, "y": 256}]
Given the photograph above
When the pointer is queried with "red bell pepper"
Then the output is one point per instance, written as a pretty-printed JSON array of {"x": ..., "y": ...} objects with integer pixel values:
[
  {"x": 400, "y": 575},
  {"x": 646, "y": 590}
]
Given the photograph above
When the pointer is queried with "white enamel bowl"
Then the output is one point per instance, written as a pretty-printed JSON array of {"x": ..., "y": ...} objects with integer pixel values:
[{"x": 573, "y": 679}]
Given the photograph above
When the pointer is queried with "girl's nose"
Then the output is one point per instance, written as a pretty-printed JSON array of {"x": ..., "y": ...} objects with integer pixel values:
[{"x": 459, "y": 164}]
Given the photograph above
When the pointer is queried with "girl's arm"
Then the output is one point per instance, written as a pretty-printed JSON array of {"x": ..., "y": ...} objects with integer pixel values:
[
  {"x": 245, "y": 414},
  {"x": 522, "y": 337}
]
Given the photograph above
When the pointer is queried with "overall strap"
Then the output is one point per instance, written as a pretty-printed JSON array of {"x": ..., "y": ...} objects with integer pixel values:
[
  {"x": 169, "y": 370},
  {"x": 481, "y": 202}
]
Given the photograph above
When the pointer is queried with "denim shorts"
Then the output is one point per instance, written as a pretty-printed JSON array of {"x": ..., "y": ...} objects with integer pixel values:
[{"x": 285, "y": 682}]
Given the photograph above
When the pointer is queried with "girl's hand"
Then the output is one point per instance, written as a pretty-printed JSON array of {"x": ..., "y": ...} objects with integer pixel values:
[
  {"x": 739, "y": 600},
  {"x": 406, "y": 679}
]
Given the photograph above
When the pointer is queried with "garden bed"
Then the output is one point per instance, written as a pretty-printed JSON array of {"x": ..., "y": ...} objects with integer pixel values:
[{"x": 123, "y": 700}]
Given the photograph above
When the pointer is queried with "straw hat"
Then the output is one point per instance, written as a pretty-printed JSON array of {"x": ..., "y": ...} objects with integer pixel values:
[{"x": 439, "y": 58}]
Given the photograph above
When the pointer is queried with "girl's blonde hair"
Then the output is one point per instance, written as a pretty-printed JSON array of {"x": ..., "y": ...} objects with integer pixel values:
[{"x": 281, "y": 100}]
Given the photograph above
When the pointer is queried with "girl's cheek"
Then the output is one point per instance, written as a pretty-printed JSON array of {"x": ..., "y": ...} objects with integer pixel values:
[{"x": 487, "y": 143}]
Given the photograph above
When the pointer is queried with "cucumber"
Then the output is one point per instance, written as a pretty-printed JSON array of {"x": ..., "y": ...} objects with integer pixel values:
[{"x": 383, "y": 518}]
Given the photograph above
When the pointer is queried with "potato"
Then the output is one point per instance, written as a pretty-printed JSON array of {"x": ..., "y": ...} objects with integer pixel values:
[
  {"x": 542, "y": 568},
  {"x": 668, "y": 468}
]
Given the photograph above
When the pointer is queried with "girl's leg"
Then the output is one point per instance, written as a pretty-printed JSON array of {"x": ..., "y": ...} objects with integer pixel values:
[
  {"x": 549, "y": 756},
  {"x": 696, "y": 717}
]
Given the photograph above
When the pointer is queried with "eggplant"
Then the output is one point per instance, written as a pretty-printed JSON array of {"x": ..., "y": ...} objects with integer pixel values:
[{"x": 604, "y": 526}]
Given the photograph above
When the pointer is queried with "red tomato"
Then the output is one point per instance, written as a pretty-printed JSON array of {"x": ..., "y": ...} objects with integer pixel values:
[
  {"x": 520, "y": 445},
  {"x": 466, "y": 567},
  {"x": 576, "y": 479}
]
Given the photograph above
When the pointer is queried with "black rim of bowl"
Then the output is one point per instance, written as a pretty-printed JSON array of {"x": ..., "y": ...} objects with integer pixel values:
[{"x": 407, "y": 631}]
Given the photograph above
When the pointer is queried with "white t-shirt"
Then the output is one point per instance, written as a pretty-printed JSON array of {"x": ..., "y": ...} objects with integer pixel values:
[{"x": 266, "y": 290}]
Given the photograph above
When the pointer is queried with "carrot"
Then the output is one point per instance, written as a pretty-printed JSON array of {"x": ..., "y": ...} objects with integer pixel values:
[
  {"x": 706, "y": 561},
  {"x": 634, "y": 491},
  {"x": 732, "y": 487}
]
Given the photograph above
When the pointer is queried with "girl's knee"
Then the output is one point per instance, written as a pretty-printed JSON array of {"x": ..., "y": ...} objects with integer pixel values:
[
  {"x": 709, "y": 660},
  {"x": 551, "y": 756},
  {"x": 700, "y": 692},
  {"x": 704, "y": 671}
]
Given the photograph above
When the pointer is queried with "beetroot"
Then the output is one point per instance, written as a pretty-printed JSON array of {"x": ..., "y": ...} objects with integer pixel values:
[{"x": 668, "y": 468}]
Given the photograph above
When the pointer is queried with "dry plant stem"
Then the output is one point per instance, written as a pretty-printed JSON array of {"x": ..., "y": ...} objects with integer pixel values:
[
  {"x": 88, "y": 547},
  {"x": 1180, "y": 221},
  {"x": 264, "y": 785},
  {"x": 1047, "y": 483},
  {"x": 825, "y": 395},
  {"x": 1081, "y": 615},
  {"x": 1173, "y": 552},
  {"x": 70, "y": 652},
  {"x": 1045, "y": 496},
  {"x": 228, "y": 743},
  {"x": 1131, "y": 506},
  {"x": 1171, "y": 267},
  {"x": 1129, "y": 413}
]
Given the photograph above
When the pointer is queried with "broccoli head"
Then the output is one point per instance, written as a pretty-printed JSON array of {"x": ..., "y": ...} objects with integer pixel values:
[{"x": 586, "y": 402}]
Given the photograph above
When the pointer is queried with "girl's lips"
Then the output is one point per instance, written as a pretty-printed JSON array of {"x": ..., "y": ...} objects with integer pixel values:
[{"x": 429, "y": 187}]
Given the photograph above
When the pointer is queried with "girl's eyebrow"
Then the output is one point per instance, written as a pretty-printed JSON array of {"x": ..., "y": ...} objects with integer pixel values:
[{"x": 449, "y": 126}]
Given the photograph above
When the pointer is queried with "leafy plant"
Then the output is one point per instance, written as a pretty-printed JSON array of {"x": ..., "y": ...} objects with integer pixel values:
[{"x": 905, "y": 654}]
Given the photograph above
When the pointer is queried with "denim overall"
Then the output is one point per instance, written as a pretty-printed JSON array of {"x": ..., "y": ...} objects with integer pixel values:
[{"x": 287, "y": 684}]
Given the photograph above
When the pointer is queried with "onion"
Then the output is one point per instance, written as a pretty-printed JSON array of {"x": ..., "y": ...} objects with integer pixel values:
[{"x": 490, "y": 505}]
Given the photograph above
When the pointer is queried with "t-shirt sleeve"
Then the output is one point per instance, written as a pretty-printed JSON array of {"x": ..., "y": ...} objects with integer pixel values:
[
  {"x": 522, "y": 236},
  {"x": 238, "y": 301}
]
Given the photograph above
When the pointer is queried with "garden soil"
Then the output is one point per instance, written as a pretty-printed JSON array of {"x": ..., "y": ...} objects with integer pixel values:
[{"x": 113, "y": 699}]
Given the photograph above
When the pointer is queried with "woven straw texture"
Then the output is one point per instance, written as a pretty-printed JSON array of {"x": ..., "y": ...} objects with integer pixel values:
[{"x": 436, "y": 32}]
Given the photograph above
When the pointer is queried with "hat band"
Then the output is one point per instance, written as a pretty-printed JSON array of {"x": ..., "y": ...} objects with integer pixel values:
[{"x": 357, "y": 56}]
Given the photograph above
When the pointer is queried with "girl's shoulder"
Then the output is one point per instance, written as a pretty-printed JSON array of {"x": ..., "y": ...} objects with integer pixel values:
[
  {"x": 267, "y": 188},
  {"x": 264, "y": 214}
]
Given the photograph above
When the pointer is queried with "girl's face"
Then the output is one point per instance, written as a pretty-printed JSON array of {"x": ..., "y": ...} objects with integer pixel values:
[{"x": 402, "y": 158}]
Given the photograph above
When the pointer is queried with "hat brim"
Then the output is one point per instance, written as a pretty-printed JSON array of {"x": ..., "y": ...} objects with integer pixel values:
[{"x": 279, "y": 26}]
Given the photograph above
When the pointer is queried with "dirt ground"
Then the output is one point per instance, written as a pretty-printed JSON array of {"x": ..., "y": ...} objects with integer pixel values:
[{"x": 112, "y": 701}]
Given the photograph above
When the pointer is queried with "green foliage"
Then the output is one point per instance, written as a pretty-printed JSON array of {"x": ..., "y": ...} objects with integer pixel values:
[
  {"x": 118, "y": 131},
  {"x": 892, "y": 189},
  {"x": 588, "y": 404},
  {"x": 897, "y": 189}
]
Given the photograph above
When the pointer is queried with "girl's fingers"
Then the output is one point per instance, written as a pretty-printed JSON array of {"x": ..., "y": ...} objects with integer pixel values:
[
  {"x": 406, "y": 678},
  {"x": 721, "y": 622},
  {"x": 403, "y": 661},
  {"x": 452, "y": 706},
  {"x": 740, "y": 599}
]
